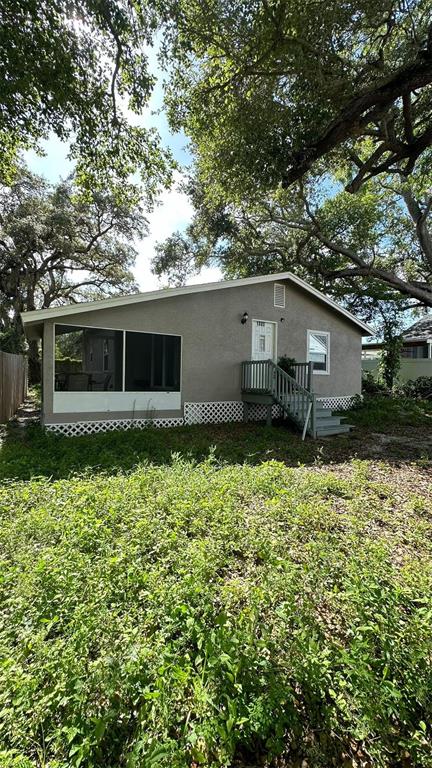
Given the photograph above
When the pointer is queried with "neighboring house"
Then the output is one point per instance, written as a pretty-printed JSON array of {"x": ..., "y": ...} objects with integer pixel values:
[
  {"x": 416, "y": 352},
  {"x": 416, "y": 342},
  {"x": 180, "y": 355}
]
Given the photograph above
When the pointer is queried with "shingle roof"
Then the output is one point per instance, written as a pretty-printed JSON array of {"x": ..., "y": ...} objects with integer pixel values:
[{"x": 419, "y": 331}]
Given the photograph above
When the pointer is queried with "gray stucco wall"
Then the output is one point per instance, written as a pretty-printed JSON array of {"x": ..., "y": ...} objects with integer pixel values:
[{"x": 214, "y": 342}]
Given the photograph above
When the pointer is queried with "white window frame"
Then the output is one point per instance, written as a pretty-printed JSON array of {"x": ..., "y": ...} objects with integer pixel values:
[
  {"x": 320, "y": 333},
  {"x": 279, "y": 285},
  {"x": 123, "y": 400}
]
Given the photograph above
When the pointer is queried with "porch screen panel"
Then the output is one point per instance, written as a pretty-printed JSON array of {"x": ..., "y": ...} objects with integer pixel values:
[
  {"x": 152, "y": 362},
  {"x": 88, "y": 359}
]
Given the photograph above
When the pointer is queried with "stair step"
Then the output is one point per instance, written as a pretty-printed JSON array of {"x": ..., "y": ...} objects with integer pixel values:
[
  {"x": 328, "y": 421},
  {"x": 319, "y": 415},
  {"x": 333, "y": 430},
  {"x": 318, "y": 411}
]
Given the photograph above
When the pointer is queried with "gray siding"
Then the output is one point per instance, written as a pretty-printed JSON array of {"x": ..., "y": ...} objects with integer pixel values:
[{"x": 214, "y": 342}]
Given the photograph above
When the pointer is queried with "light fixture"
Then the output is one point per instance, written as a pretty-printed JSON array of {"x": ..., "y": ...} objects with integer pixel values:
[
  {"x": 245, "y": 318},
  {"x": 282, "y": 319}
]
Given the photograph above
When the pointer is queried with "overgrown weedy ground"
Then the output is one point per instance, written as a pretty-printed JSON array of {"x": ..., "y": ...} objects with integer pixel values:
[{"x": 214, "y": 608}]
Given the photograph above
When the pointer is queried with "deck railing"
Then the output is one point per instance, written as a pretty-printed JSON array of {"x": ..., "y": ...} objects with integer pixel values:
[
  {"x": 265, "y": 377},
  {"x": 302, "y": 373},
  {"x": 256, "y": 376}
]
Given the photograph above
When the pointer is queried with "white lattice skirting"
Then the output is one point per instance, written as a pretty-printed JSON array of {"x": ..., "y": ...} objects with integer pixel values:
[
  {"x": 194, "y": 413},
  {"x": 340, "y": 403},
  {"x": 74, "y": 429},
  {"x": 225, "y": 410}
]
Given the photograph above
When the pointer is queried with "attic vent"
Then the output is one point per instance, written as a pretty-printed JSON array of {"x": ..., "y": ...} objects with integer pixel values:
[{"x": 279, "y": 295}]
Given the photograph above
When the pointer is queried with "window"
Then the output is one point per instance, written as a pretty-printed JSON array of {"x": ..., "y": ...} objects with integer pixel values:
[
  {"x": 91, "y": 360},
  {"x": 318, "y": 350},
  {"x": 418, "y": 351},
  {"x": 152, "y": 362},
  {"x": 88, "y": 359},
  {"x": 279, "y": 295}
]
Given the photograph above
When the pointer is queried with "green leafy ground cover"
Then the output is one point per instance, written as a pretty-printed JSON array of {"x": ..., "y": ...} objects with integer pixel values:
[
  {"x": 219, "y": 611},
  {"x": 40, "y": 453},
  {"x": 381, "y": 412}
]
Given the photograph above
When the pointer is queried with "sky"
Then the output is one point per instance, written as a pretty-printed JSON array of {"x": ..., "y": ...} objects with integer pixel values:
[{"x": 173, "y": 211}]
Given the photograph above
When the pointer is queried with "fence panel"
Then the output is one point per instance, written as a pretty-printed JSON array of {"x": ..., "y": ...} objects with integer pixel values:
[
  {"x": 13, "y": 384},
  {"x": 410, "y": 369}
]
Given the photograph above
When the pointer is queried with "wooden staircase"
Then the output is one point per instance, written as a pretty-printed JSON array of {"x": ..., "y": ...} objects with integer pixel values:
[{"x": 265, "y": 382}]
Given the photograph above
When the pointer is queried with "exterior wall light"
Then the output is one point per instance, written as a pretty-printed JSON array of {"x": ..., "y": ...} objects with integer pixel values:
[{"x": 245, "y": 318}]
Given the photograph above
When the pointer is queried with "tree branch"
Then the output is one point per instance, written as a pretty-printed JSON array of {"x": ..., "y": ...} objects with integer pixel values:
[{"x": 362, "y": 110}]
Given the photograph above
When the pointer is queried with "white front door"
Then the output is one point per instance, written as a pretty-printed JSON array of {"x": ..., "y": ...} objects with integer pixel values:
[{"x": 263, "y": 340}]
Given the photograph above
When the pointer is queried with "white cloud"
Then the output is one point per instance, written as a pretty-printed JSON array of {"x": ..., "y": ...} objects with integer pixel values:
[{"x": 173, "y": 213}]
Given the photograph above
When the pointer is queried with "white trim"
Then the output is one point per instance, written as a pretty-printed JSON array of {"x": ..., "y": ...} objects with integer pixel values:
[
  {"x": 194, "y": 413},
  {"x": 118, "y": 301},
  {"x": 123, "y": 362},
  {"x": 95, "y": 402},
  {"x": 319, "y": 333},
  {"x": 279, "y": 285},
  {"x": 123, "y": 330},
  {"x": 275, "y": 335}
]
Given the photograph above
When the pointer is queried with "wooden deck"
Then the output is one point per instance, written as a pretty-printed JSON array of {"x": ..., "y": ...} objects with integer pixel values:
[{"x": 265, "y": 382}]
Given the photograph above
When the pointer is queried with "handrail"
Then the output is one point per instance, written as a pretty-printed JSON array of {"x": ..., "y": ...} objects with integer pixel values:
[
  {"x": 303, "y": 374},
  {"x": 284, "y": 375},
  {"x": 265, "y": 377}
]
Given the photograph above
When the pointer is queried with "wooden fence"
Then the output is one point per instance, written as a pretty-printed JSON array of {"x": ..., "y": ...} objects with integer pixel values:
[{"x": 13, "y": 383}]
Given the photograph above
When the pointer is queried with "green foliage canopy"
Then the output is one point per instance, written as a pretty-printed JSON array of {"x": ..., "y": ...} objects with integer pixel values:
[
  {"x": 368, "y": 250},
  {"x": 268, "y": 90},
  {"x": 71, "y": 67},
  {"x": 335, "y": 97},
  {"x": 57, "y": 248}
]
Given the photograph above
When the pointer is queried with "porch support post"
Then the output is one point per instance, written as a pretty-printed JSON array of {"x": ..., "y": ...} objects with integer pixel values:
[
  {"x": 313, "y": 417},
  {"x": 309, "y": 378},
  {"x": 269, "y": 415}
]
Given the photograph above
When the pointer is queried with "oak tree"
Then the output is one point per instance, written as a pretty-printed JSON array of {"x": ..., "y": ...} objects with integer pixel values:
[{"x": 57, "y": 248}]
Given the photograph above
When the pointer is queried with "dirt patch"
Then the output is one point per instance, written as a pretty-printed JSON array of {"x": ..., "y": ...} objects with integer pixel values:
[{"x": 416, "y": 442}]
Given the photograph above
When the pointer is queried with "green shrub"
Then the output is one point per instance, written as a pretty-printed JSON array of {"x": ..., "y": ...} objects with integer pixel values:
[
  {"x": 371, "y": 385},
  {"x": 12, "y": 340},
  {"x": 420, "y": 388},
  {"x": 377, "y": 411},
  {"x": 206, "y": 615},
  {"x": 287, "y": 365}
]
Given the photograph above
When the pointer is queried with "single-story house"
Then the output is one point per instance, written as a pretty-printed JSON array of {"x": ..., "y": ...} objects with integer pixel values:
[{"x": 199, "y": 353}]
